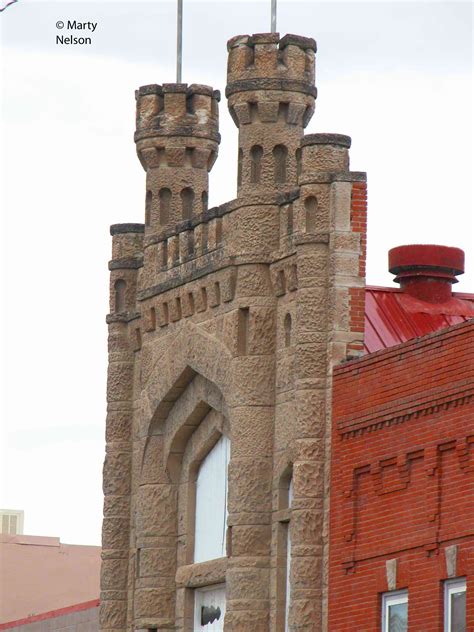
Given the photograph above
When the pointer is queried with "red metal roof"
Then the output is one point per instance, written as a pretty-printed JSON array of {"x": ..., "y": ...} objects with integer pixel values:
[{"x": 393, "y": 316}]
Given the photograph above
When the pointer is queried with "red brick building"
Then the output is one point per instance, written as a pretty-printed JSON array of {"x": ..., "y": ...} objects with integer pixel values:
[{"x": 402, "y": 482}]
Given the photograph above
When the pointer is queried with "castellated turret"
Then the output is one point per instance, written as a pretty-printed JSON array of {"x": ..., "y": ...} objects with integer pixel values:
[
  {"x": 271, "y": 95},
  {"x": 224, "y": 326},
  {"x": 177, "y": 139}
]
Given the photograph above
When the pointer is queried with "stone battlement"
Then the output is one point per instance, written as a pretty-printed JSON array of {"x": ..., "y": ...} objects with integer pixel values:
[
  {"x": 264, "y": 61},
  {"x": 176, "y": 109}
]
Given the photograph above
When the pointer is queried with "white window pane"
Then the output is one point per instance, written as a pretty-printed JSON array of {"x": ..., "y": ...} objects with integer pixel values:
[
  {"x": 398, "y": 617},
  {"x": 458, "y": 612},
  {"x": 211, "y": 503}
]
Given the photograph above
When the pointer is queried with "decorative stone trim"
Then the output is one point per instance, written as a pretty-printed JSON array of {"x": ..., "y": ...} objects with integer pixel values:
[
  {"x": 457, "y": 397},
  {"x": 216, "y": 290},
  {"x": 130, "y": 263},
  {"x": 121, "y": 229},
  {"x": 328, "y": 177},
  {"x": 122, "y": 317}
]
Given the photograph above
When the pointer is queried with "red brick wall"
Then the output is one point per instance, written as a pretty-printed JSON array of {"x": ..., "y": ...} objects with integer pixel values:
[{"x": 402, "y": 479}]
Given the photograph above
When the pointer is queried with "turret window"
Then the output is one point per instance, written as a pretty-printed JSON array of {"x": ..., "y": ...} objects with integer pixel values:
[
  {"x": 120, "y": 287},
  {"x": 280, "y": 155},
  {"x": 187, "y": 201},
  {"x": 204, "y": 200},
  {"x": 148, "y": 201},
  {"x": 287, "y": 327},
  {"x": 298, "y": 161},
  {"x": 240, "y": 160},
  {"x": 256, "y": 154},
  {"x": 311, "y": 209},
  {"x": 165, "y": 205}
]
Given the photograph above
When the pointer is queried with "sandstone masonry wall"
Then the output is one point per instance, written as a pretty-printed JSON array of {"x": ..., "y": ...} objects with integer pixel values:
[{"x": 229, "y": 321}]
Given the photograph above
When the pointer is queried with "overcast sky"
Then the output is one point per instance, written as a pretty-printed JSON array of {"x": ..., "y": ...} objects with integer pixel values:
[{"x": 395, "y": 76}]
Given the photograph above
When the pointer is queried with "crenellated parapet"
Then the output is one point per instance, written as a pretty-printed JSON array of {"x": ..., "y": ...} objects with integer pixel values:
[
  {"x": 271, "y": 95},
  {"x": 177, "y": 138}
]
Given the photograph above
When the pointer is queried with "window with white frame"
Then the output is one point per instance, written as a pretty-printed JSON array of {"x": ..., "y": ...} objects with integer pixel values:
[
  {"x": 395, "y": 611},
  {"x": 211, "y": 504},
  {"x": 455, "y": 605}
]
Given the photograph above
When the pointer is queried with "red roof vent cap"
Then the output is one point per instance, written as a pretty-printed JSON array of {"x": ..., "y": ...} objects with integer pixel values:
[{"x": 426, "y": 271}]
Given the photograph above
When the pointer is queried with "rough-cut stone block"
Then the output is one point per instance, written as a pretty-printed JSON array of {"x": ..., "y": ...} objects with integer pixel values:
[
  {"x": 248, "y": 583},
  {"x": 155, "y": 602},
  {"x": 115, "y": 532},
  {"x": 156, "y": 562},
  {"x": 113, "y": 574},
  {"x": 156, "y": 508},
  {"x": 119, "y": 381},
  {"x": 308, "y": 479},
  {"x": 251, "y": 426},
  {"x": 249, "y": 485},
  {"x": 116, "y": 474}
]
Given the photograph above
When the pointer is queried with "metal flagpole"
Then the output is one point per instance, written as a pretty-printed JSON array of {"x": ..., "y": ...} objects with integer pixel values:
[
  {"x": 274, "y": 16},
  {"x": 179, "y": 39}
]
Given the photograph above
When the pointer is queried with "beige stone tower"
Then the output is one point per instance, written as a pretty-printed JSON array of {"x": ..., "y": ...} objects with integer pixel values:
[{"x": 224, "y": 326}]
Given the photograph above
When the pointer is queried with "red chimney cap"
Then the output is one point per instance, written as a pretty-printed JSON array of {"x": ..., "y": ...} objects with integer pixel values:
[{"x": 426, "y": 260}]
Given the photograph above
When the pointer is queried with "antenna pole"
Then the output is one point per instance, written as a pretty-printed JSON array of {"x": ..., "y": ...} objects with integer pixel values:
[
  {"x": 274, "y": 16},
  {"x": 179, "y": 40}
]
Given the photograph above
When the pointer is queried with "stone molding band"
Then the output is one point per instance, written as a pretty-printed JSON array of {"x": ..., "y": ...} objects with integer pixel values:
[{"x": 265, "y": 83}]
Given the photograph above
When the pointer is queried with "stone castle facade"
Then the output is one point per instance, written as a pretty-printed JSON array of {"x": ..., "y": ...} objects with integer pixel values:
[{"x": 224, "y": 325}]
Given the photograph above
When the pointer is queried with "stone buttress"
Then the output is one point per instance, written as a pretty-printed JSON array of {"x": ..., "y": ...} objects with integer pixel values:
[{"x": 227, "y": 322}]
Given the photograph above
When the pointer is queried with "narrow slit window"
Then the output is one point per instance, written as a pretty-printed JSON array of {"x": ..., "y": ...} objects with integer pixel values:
[
  {"x": 148, "y": 202},
  {"x": 204, "y": 201},
  {"x": 287, "y": 327},
  {"x": 256, "y": 154},
  {"x": 187, "y": 201},
  {"x": 120, "y": 288},
  {"x": 243, "y": 331},
  {"x": 311, "y": 209},
  {"x": 165, "y": 205},
  {"x": 240, "y": 160},
  {"x": 280, "y": 155}
]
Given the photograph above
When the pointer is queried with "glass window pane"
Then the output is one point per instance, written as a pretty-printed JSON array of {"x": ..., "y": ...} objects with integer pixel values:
[
  {"x": 458, "y": 612},
  {"x": 398, "y": 617}
]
